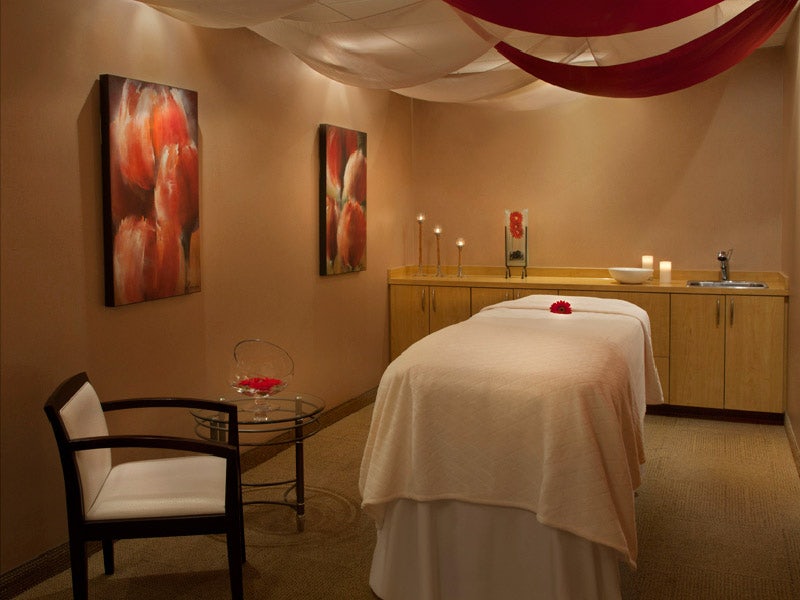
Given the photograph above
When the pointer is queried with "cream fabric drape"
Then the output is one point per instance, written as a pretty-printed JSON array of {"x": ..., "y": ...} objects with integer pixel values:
[{"x": 429, "y": 50}]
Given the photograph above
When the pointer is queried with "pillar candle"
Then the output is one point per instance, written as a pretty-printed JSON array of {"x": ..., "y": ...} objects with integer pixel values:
[
  {"x": 665, "y": 271},
  {"x": 647, "y": 261}
]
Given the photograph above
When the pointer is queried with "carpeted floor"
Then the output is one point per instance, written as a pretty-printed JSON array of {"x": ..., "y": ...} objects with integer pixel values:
[{"x": 718, "y": 516}]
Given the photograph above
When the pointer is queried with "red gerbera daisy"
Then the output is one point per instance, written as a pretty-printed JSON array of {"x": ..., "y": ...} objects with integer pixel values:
[
  {"x": 515, "y": 224},
  {"x": 561, "y": 307}
]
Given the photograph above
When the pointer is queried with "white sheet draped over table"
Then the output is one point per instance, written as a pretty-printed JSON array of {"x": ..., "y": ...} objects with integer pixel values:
[{"x": 538, "y": 413}]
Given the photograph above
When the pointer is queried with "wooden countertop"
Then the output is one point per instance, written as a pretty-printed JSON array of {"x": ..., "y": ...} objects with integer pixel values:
[{"x": 585, "y": 279}]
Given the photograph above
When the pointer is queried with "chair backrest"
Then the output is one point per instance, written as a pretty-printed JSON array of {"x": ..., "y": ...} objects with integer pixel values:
[{"x": 75, "y": 412}]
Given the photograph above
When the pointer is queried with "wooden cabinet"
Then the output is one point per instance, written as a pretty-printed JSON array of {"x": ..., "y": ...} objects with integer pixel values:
[
  {"x": 486, "y": 296},
  {"x": 408, "y": 316},
  {"x": 716, "y": 350},
  {"x": 727, "y": 351},
  {"x": 697, "y": 351},
  {"x": 448, "y": 305},
  {"x": 482, "y": 297},
  {"x": 754, "y": 351},
  {"x": 417, "y": 310}
]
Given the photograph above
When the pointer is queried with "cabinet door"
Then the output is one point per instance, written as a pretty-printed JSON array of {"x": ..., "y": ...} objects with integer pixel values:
[
  {"x": 523, "y": 292},
  {"x": 482, "y": 297},
  {"x": 408, "y": 320},
  {"x": 448, "y": 305},
  {"x": 697, "y": 350},
  {"x": 754, "y": 349}
]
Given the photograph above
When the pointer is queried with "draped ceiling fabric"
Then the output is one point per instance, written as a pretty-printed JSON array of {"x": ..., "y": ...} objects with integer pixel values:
[
  {"x": 681, "y": 67},
  {"x": 517, "y": 54},
  {"x": 579, "y": 18}
]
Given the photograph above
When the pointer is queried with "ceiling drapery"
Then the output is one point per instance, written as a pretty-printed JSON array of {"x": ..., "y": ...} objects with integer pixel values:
[
  {"x": 579, "y": 18},
  {"x": 682, "y": 67},
  {"x": 430, "y": 49}
]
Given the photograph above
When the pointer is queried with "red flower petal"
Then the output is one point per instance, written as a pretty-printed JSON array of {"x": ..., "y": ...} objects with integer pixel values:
[{"x": 259, "y": 384}]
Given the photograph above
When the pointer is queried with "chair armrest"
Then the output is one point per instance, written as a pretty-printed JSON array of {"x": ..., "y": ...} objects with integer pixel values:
[
  {"x": 175, "y": 402},
  {"x": 214, "y": 448},
  {"x": 168, "y": 401}
]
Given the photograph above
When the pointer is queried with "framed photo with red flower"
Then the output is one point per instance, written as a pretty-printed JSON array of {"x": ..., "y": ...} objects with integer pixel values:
[
  {"x": 516, "y": 229},
  {"x": 342, "y": 200},
  {"x": 151, "y": 199}
]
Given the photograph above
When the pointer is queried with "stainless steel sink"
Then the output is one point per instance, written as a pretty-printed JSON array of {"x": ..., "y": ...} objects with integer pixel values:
[{"x": 727, "y": 284}]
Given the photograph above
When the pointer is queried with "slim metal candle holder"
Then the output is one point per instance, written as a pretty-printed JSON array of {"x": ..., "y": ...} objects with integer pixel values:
[
  {"x": 460, "y": 246},
  {"x": 438, "y": 232},
  {"x": 420, "y": 221}
]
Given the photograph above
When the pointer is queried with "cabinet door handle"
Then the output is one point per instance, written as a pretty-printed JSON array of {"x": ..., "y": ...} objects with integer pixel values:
[
  {"x": 422, "y": 300},
  {"x": 433, "y": 299},
  {"x": 731, "y": 312},
  {"x": 718, "y": 308}
]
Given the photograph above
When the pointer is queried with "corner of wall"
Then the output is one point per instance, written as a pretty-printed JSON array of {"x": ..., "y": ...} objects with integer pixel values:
[{"x": 791, "y": 243}]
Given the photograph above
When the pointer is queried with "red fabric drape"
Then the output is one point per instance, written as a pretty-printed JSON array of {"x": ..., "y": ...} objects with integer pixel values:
[
  {"x": 682, "y": 67},
  {"x": 581, "y": 18}
]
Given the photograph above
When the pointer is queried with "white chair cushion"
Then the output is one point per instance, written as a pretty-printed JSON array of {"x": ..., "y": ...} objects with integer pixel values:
[
  {"x": 83, "y": 417},
  {"x": 164, "y": 487}
]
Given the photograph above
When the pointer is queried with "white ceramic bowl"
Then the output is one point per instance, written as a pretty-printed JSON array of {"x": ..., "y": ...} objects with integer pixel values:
[{"x": 630, "y": 274}]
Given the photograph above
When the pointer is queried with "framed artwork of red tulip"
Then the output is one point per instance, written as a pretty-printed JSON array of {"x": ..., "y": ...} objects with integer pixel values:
[
  {"x": 342, "y": 200},
  {"x": 151, "y": 201}
]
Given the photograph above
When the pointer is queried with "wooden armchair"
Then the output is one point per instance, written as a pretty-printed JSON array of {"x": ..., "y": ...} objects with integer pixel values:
[{"x": 194, "y": 494}]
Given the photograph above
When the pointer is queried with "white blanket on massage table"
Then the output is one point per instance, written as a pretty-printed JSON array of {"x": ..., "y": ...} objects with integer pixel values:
[{"x": 521, "y": 407}]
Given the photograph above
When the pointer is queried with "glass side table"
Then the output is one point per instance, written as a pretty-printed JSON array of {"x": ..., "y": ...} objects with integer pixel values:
[{"x": 288, "y": 419}]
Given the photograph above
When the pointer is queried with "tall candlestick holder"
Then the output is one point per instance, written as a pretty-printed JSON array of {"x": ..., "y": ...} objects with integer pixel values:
[
  {"x": 420, "y": 221},
  {"x": 438, "y": 233},
  {"x": 460, "y": 245}
]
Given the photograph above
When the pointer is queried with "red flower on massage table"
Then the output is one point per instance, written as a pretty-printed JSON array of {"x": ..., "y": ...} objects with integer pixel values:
[
  {"x": 561, "y": 307},
  {"x": 515, "y": 224},
  {"x": 259, "y": 385}
]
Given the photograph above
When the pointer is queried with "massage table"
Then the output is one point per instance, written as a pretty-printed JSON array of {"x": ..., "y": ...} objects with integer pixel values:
[{"x": 504, "y": 452}]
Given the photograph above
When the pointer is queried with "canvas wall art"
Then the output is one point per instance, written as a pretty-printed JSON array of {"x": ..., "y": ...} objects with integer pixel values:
[
  {"x": 151, "y": 215},
  {"x": 342, "y": 200}
]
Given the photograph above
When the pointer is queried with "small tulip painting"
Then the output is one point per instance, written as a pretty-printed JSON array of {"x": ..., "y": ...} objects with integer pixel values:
[
  {"x": 343, "y": 200},
  {"x": 150, "y": 190}
]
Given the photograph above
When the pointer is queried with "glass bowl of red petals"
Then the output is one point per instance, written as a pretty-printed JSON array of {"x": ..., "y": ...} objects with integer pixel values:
[{"x": 260, "y": 369}]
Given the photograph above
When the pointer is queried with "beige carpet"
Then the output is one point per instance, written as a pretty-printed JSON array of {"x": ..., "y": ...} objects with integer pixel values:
[{"x": 718, "y": 513}]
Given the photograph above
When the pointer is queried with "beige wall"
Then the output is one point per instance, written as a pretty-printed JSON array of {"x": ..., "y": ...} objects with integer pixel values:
[
  {"x": 792, "y": 218},
  {"x": 259, "y": 109},
  {"x": 605, "y": 181},
  {"x": 680, "y": 177}
]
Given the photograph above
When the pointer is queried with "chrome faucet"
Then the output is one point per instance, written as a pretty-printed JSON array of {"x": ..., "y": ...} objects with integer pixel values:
[{"x": 724, "y": 257}]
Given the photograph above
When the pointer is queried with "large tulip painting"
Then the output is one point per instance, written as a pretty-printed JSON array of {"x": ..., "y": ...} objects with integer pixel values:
[
  {"x": 343, "y": 200},
  {"x": 150, "y": 189}
]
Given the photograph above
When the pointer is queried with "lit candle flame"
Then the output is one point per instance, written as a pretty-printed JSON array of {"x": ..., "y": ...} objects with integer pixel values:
[
  {"x": 460, "y": 242},
  {"x": 420, "y": 217},
  {"x": 437, "y": 230}
]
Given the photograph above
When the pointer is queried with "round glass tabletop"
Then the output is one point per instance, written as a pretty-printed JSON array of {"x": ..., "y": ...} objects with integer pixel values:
[{"x": 262, "y": 415}]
